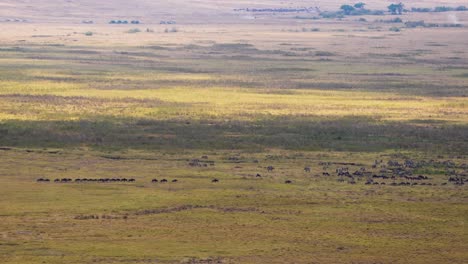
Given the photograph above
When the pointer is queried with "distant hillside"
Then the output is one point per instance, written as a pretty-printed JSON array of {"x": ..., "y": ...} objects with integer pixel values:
[{"x": 152, "y": 11}]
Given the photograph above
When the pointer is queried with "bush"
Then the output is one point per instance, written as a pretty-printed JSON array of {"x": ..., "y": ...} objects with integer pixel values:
[
  {"x": 450, "y": 25},
  {"x": 172, "y": 30},
  {"x": 414, "y": 24},
  {"x": 362, "y": 19},
  {"x": 324, "y": 53},
  {"x": 461, "y": 8},
  {"x": 421, "y": 10},
  {"x": 134, "y": 30},
  {"x": 332, "y": 14},
  {"x": 89, "y": 33},
  {"x": 395, "y": 20},
  {"x": 443, "y": 9},
  {"x": 395, "y": 29}
]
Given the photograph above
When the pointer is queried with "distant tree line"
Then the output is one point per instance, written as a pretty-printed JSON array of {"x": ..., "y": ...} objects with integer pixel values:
[
  {"x": 395, "y": 9},
  {"x": 135, "y": 22},
  {"x": 438, "y": 9},
  {"x": 277, "y": 10}
]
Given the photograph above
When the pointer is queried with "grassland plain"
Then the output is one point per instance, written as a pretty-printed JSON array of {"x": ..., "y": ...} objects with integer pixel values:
[{"x": 238, "y": 98}]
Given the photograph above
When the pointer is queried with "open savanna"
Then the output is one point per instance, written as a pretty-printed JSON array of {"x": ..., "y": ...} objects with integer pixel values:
[{"x": 238, "y": 98}]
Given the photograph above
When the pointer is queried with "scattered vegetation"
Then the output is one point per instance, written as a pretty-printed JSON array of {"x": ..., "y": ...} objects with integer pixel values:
[{"x": 133, "y": 30}]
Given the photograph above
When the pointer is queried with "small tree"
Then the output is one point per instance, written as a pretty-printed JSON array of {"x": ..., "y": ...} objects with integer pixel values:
[
  {"x": 347, "y": 9},
  {"x": 359, "y": 5},
  {"x": 396, "y": 8}
]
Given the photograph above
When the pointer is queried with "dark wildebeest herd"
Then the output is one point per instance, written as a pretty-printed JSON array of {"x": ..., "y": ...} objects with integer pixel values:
[
  {"x": 393, "y": 173},
  {"x": 85, "y": 180}
]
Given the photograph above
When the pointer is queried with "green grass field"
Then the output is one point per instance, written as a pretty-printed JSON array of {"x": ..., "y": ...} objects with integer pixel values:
[{"x": 147, "y": 111}]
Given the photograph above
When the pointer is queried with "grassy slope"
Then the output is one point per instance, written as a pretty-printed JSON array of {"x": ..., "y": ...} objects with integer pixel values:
[{"x": 143, "y": 105}]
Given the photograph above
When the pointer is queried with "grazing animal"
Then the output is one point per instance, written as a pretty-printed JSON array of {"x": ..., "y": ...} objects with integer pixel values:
[
  {"x": 258, "y": 175},
  {"x": 307, "y": 169},
  {"x": 175, "y": 180},
  {"x": 154, "y": 180},
  {"x": 163, "y": 180},
  {"x": 215, "y": 180},
  {"x": 43, "y": 180},
  {"x": 288, "y": 182},
  {"x": 270, "y": 168},
  {"x": 326, "y": 174}
]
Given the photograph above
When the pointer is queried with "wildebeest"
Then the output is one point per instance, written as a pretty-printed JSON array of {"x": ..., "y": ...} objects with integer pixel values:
[
  {"x": 258, "y": 175},
  {"x": 175, "y": 180},
  {"x": 215, "y": 180},
  {"x": 270, "y": 168},
  {"x": 163, "y": 180},
  {"x": 307, "y": 169},
  {"x": 288, "y": 181},
  {"x": 43, "y": 180},
  {"x": 154, "y": 180}
]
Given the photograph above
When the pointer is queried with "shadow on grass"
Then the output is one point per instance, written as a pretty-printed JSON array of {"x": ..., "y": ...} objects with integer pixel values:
[{"x": 287, "y": 132}]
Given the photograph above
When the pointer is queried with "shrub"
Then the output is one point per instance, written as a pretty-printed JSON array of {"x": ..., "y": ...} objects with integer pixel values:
[
  {"x": 134, "y": 30},
  {"x": 394, "y": 20},
  {"x": 395, "y": 29},
  {"x": 413, "y": 24},
  {"x": 332, "y": 14},
  {"x": 443, "y": 9},
  {"x": 324, "y": 53},
  {"x": 172, "y": 30},
  {"x": 421, "y": 10},
  {"x": 89, "y": 33}
]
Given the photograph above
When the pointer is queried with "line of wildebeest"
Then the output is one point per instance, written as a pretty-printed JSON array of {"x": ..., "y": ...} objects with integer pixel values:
[
  {"x": 107, "y": 180},
  {"x": 400, "y": 174},
  {"x": 101, "y": 180}
]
